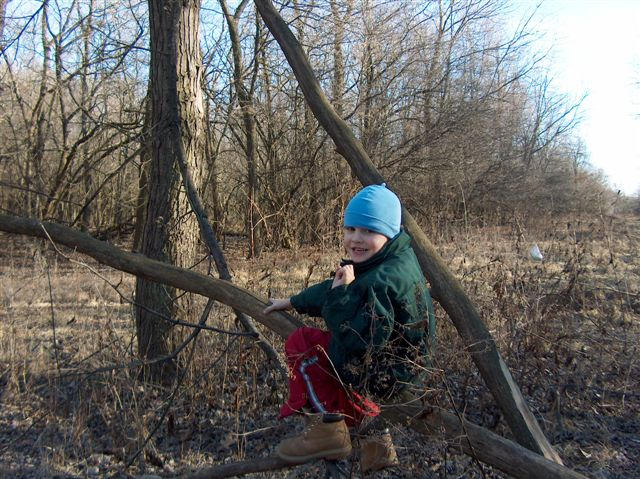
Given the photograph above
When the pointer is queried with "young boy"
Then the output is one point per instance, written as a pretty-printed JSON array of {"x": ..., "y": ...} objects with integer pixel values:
[{"x": 380, "y": 321}]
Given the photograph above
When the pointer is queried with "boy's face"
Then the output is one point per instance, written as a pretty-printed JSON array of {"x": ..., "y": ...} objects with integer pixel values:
[{"x": 361, "y": 243}]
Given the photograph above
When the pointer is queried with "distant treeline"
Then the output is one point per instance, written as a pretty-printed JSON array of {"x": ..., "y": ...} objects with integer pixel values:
[{"x": 451, "y": 103}]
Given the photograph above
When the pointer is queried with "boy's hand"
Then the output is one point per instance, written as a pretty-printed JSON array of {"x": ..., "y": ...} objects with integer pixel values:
[
  {"x": 344, "y": 275},
  {"x": 277, "y": 305}
]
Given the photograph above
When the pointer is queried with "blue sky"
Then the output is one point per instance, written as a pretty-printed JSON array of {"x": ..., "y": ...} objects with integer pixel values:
[{"x": 594, "y": 48}]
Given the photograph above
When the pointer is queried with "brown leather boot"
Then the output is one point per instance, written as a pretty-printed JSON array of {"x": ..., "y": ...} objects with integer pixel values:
[
  {"x": 326, "y": 438},
  {"x": 377, "y": 452}
]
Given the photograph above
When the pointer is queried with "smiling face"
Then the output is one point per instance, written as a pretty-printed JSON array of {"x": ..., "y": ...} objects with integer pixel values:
[{"x": 361, "y": 243}]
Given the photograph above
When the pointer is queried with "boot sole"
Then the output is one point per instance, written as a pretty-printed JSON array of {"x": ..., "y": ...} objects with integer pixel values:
[{"x": 332, "y": 455}]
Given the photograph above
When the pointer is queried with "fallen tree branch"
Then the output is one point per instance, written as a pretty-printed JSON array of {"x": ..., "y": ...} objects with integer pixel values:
[
  {"x": 175, "y": 322},
  {"x": 465, "y": 436},
  {"x": 479, "y": 442},
  {"x": 485, "y": 445},
  {"x": 261, "y": 464},
  {"x": 139, "y": 265}
]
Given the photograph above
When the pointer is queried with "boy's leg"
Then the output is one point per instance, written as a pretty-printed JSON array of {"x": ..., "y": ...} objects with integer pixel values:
[
  {"x": 314, "y": 382},
  {"x": 311, "y": 383},
  {"x": 306, "y": 351},
  {"x": 301, "y": 345},
  {"x": 374, "y": 438}
]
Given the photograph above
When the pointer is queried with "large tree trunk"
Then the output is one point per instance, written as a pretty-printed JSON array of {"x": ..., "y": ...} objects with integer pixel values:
[
  {"x": 446, "y": 288},
  {"x": 170, "y": 233}
]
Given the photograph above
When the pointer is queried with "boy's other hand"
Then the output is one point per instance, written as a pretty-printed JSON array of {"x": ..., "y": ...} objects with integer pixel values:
[
  {"x": 277, "y": 305},
  {"x": 344, "y": 275}
]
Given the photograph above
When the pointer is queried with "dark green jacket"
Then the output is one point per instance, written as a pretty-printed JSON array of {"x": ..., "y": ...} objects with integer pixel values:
[{"x": 381, "y": 324}]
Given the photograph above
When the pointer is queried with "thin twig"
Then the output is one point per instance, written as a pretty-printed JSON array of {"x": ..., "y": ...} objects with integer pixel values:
[
  {"x": 193, "y": 336},
  {"x": 53, "y": 319},
  {"x": 463, "y": 425}
]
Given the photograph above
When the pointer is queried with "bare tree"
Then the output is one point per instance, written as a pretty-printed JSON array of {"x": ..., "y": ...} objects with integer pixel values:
[
  {"x": 87, "y": 31},
  {"x": 3, "y": 10},
  {"x": 442, "y": 101},
  {"x": 170, "y": 233},
  {"x": 244, "y": 89},
  {"x": 65, "y": 123}
]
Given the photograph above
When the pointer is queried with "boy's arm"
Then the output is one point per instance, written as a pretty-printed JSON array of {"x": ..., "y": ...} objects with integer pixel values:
[
  {"x": 310, "y": 301},
  {"x": 277, "y": 304}
]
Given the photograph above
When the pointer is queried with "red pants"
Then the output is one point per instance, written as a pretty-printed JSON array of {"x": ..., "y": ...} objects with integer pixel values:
[{"x": 305, "y": 343}]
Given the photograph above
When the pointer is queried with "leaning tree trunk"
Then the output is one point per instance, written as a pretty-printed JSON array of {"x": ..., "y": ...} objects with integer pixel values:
[
  {"x": 447, "y": 289},
  {"x": 170, "y": 233}
]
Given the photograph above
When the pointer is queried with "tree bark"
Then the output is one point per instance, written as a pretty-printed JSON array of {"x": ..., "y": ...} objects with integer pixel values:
[
  {"x": 446, "y": 288},
  {"x": 176, "y": 66}
]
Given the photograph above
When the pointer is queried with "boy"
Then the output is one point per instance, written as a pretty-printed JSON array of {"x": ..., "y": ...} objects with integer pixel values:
[{"x": 380, "y": 322}]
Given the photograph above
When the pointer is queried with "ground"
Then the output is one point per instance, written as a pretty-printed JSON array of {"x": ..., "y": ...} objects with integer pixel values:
[{"x": 72, "y": 404}]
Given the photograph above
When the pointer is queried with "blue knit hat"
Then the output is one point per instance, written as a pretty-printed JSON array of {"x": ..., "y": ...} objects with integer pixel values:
[{"x": 375, "y": 207}]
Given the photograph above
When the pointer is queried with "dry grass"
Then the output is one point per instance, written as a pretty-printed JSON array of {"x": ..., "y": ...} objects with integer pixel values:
[{"x": 568, "y": 328}]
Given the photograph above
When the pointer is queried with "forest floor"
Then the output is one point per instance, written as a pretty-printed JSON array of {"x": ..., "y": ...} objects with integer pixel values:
[{"x": 72, "y": 405}]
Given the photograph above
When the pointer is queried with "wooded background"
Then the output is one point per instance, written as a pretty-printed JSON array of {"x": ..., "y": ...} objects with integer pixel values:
[
  {"x": 109, "y": 109},
  {"x": 448, "y": 98}
]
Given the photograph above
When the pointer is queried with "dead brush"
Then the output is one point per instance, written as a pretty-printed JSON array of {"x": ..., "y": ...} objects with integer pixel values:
[{"x": 563, "y": 325}]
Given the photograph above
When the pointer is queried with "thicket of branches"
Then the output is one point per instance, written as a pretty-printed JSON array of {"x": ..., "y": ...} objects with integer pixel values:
[{"x": 453, "y": 105}]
